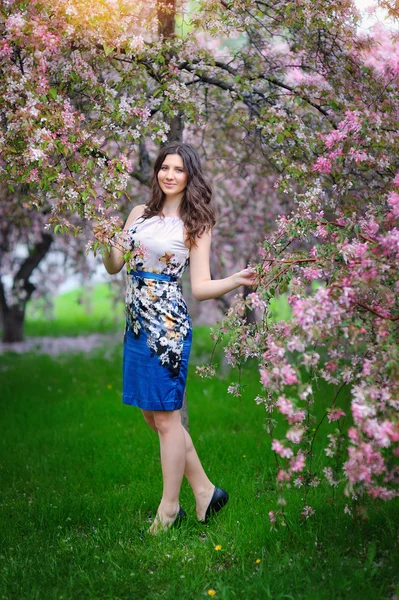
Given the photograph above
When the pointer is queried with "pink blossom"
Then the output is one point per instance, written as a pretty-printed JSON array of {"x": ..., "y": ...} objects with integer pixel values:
[
  {"x": 383, "y": 433},
  {"x": 322, "y": 165},
  {"x": 354, "y": 435},
  {"x": 335, "y": 154},
  {"x": 278, "y": 447},
  {"x": 332, "y": 138},
  {"x": 264, "y": 377},
  {"x": 390, "y": 244},
  {"x": 285, "y": 406},
  {"x": 297, "y": 417},
  {"x": 321, "y": 232},
  {"x": 307, "y": 512},
  {"x": 294, "y": 434},
  {"x": 283, "y": 475},
  {"x": 364, "y": 463},
  {"x": 295, "y": 343},
  {"x": 335, "y": 414},
  {"x": 256, "y": 301},
  {"x": 382, "y": 492},
  {"x": 272, "y": 516},
  {"x": 358, "y": 155},
  {"x": 393, "y": 201},
  {"x": 5, "y": 48},
  {"x": 310, "y": 273},
  {"x": 371, "y": 226},
  {"x": 352, "y": 121},
  {"x": 288, "y": 375},
  {"x": 298, "y": 462}
]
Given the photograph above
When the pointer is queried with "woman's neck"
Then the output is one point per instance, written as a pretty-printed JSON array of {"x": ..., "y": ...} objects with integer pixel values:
[{"x": 171, "y": 206}]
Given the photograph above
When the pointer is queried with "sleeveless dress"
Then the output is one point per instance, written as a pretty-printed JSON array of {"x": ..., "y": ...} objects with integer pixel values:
[{"x": 158, "y": 329}]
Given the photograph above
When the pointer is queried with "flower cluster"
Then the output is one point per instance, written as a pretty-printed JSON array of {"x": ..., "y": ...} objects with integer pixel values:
[{"x": 343, "y": 331}]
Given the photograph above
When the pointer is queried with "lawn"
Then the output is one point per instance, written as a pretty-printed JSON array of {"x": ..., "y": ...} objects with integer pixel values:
[{"x": 80, "y": 480}]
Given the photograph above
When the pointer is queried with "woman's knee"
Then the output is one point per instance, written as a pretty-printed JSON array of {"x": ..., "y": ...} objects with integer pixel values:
[
  {"x": 149, "y": 419},
  {"x": 166, "y": 420}
]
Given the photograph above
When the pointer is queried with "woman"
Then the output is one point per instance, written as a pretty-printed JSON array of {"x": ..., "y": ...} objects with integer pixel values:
[{"x": 171, "y": 231}]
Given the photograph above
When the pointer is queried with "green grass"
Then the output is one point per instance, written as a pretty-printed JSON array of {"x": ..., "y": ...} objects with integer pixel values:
[
  {"x": 80, "y": 479},
  {"x": 70, "y": 316}
]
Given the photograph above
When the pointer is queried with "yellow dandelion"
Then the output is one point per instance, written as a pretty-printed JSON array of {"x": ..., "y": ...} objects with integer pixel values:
[
  {"x": 211, "y": 592},
  {"x": 218, "y": 547},
  {"x": 258, "y": 561},
  {"x": 109, "y": 386}
]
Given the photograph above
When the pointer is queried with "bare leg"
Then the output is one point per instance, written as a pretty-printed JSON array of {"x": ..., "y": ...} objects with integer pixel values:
[
  {"x": 201, "y": 485},
  {"x": 173, "y": 460}
]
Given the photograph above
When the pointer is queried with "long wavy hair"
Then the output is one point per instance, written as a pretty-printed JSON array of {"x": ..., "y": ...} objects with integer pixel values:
[{"x": 196, "y": 208}]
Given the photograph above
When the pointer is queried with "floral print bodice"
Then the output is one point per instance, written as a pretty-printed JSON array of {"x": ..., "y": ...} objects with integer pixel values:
[{"x": 163, "y": 241}]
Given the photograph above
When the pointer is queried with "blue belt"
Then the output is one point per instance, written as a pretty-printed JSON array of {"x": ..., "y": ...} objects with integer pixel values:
[{"x": 149, "y": 275}]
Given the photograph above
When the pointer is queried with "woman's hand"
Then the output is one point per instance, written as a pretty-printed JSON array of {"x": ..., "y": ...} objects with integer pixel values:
[
  {"x": 246, "y": 277},
  {"x": 98, "y": 231}
]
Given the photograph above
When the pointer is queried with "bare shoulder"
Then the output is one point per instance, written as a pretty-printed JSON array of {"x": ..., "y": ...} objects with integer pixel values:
[
  {"x": 202, "y": 243},
  {"x": 136, "y": 212}
]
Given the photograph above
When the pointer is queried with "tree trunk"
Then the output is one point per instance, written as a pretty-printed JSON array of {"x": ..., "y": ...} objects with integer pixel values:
[
  {"x": 13, "y": 313},
  {"x": 249, "y": 314},
  {"x": 166, "y": 12},
  {"x": 13, "y": 328}
]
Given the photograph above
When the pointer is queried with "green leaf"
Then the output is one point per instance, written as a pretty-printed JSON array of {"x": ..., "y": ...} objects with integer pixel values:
[
  {"x": 107, "y": 49},
  {"x": 53, "y": 93},
  {"x": 56, "y": 228}
]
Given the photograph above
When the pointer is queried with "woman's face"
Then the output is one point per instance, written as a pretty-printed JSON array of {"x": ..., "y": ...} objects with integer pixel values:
[{"x": 172, "y": 177}]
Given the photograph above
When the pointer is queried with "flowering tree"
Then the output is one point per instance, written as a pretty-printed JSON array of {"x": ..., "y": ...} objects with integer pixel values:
[
  {"x": 342, "y": 236},
  {"x": 313, "y": 103},
  {"x": 85, "y": 96}
]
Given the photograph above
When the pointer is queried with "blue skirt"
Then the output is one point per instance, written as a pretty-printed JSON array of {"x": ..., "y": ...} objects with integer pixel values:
[{"x": 147, "y": 382}]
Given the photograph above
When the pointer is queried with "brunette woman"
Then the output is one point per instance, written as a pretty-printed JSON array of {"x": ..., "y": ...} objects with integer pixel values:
[{"x": 167, "y": 234}]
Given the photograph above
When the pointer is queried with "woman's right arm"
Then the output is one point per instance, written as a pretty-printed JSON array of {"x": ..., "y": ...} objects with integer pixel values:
[{"x": 114, "y": 261}]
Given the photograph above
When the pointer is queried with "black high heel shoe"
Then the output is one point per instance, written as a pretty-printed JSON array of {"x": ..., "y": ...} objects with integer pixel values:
[
  {"x": 181, "y": 515},
  {"x": 219, "y": 499}
]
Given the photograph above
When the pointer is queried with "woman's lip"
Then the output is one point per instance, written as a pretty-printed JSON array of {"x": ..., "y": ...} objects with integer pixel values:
[{"x": 168, "y": 184}]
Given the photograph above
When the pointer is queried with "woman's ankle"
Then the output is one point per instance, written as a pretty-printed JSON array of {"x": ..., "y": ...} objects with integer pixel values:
[
  {"x": 168, "y": 509},
  {"x": 204, "y": 491}
]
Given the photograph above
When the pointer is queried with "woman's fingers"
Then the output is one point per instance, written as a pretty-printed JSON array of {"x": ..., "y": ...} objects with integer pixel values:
[{"x": 99, "y": 234}]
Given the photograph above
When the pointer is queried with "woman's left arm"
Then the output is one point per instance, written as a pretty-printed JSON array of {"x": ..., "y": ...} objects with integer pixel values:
[{"x": 202, "y": 286}]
